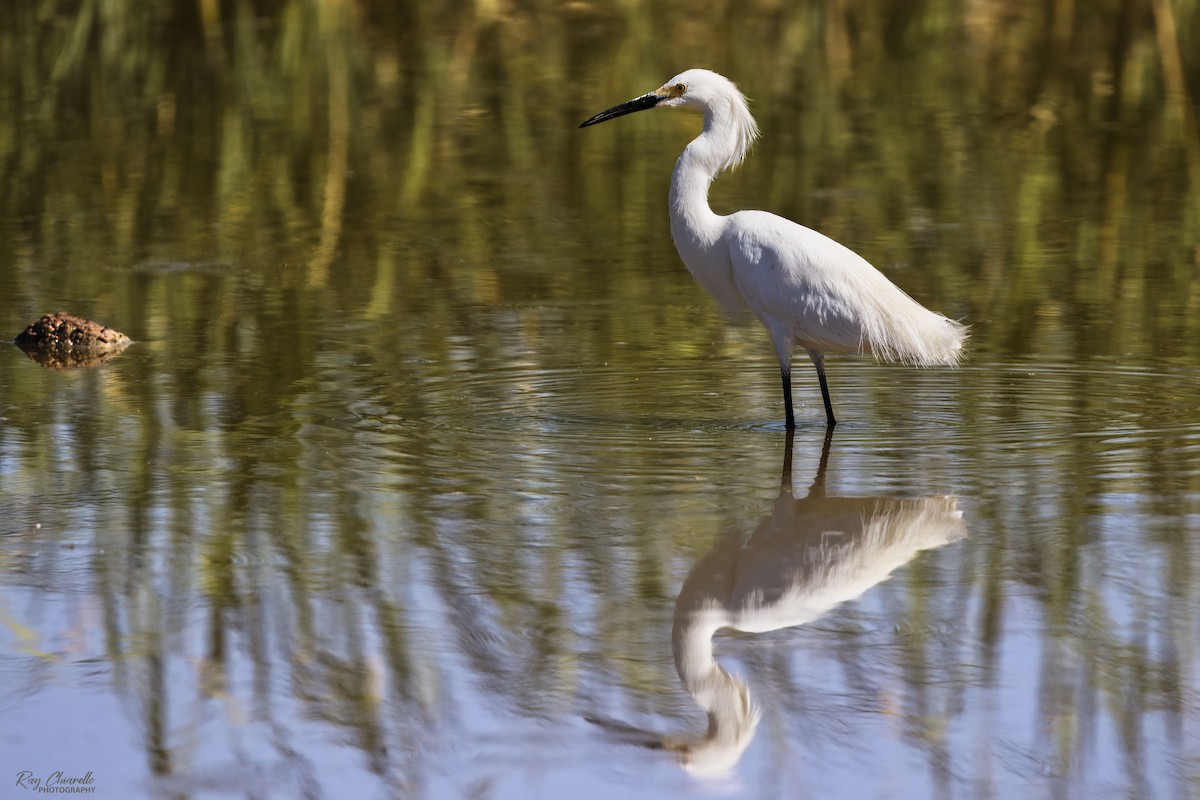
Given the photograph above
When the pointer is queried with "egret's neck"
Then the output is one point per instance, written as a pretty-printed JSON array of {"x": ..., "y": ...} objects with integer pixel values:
[
  {"x": 728, "y": 131},
  {"x": 691, "y": 216}
]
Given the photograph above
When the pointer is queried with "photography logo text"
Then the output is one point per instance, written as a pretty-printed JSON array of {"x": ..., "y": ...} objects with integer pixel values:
[{"x": 57, "y": 783}]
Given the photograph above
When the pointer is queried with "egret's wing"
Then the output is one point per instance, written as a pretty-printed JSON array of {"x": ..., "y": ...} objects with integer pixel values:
[
  {"x": 798, "y": 277},
  {"x": 829, "y": 297}
]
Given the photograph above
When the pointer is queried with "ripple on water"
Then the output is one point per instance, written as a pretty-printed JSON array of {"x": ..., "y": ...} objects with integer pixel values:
[
  {"x": 1114, "y": 417},
  {"x": 657, "y": 424},
  {"x": 666, "y": 422}
]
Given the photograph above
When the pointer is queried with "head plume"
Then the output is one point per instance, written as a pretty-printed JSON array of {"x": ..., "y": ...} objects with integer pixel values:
[{"x": 726, "y": 110}]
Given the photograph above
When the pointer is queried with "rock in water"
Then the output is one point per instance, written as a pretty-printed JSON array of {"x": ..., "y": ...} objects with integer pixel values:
[{"x": 62, "y": 340}]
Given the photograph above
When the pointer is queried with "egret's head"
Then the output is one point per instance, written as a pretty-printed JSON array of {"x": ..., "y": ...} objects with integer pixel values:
[
  {"x": 724, "y": 106},
  {"x": 699, "y": 88}
]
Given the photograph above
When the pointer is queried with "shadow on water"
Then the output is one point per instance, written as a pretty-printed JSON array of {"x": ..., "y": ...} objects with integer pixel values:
[{"x": 810, "y": 555}]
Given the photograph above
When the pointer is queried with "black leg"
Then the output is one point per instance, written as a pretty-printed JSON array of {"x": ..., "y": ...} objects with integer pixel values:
[
  {"x": 819, "y": 361},
  {"x": 787, "y": 398}
]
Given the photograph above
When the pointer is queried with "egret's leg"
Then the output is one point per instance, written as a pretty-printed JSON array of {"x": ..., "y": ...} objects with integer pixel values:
[
  {"x": 819, "y": 362},
  {"x": 787, "y": 399},
  {"x": 784, "y": 343}
]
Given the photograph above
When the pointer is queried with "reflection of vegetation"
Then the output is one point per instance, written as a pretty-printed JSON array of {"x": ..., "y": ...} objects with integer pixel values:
[
  {"x": 1032, "y": 159},
  {"x": 197, "y": 171}
]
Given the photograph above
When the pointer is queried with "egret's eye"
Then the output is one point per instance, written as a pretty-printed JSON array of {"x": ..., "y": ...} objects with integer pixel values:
[{"x": 679, "y": 87}]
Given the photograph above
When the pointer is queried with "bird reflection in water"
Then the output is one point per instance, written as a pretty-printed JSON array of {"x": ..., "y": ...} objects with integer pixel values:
[{"x": 810, "y": 555}]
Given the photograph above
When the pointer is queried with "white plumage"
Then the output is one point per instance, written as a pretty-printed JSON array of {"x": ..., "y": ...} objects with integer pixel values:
[{"x": 808, "y": 290}]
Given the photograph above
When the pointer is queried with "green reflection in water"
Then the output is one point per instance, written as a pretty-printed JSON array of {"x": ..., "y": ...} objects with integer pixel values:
[{"x": 422, "y": 399}]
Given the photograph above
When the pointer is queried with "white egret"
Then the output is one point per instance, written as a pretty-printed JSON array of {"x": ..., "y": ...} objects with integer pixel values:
[{"x": 807, "y": 289}]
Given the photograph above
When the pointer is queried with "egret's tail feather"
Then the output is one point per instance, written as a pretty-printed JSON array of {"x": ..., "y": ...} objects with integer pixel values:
[{"x": 909, "y": 333}]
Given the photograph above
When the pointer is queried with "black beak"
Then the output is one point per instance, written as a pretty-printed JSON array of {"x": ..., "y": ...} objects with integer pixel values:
[{"x": 636, "y": 104}]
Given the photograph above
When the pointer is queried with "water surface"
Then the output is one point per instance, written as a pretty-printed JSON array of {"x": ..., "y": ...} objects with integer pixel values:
[{"x": 431, "y": 470}]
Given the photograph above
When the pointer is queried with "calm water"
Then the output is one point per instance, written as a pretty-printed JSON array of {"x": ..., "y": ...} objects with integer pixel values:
[{"x": 431, "y": 472}]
